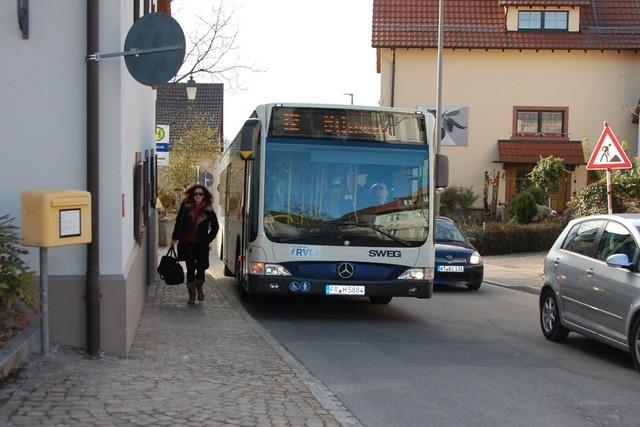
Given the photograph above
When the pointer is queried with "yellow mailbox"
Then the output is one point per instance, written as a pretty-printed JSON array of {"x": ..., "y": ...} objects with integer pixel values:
[{"x": 55, "y": 217}]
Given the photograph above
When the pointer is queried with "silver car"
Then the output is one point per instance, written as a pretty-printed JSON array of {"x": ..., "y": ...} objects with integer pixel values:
[{"x": 592, "y": 282}]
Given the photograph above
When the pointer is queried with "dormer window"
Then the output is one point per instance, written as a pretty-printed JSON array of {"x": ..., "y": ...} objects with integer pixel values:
[{"x": 543, "y": 20}]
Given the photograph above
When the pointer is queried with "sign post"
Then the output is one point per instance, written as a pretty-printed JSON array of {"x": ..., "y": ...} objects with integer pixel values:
[{"x": 608, "y": 154}]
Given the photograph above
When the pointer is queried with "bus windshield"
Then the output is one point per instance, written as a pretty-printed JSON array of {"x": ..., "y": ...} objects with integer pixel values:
[{"x": 352, "y": 193}]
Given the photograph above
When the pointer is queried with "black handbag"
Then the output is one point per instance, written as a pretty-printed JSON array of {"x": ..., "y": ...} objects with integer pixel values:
[{"x": 170, "y": 269}]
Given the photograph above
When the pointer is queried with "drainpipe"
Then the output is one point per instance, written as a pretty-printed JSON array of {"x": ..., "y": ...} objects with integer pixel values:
[
  {"x": 93, "y": 180},
  {"x": 393, "y": 79}
]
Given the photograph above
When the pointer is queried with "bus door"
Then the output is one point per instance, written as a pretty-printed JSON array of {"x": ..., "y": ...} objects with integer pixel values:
[{"x": 249, "y": 144}]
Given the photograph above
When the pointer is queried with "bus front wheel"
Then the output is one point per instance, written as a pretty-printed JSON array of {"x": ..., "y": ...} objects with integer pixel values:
[
  {"x": 244, "y": 294},
  {"x": 227, "y": 272}
]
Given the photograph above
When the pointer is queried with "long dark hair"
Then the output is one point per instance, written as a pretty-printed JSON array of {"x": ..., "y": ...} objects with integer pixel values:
[{"x": 208, "y": 198}]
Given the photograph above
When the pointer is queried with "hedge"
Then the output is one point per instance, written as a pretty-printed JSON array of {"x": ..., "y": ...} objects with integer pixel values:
[{"x": 509, "y": 238}]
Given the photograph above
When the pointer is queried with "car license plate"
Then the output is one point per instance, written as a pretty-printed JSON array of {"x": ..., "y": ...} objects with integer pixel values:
[
  {"x": 343, "y": 290},
  {"x": 451, "y": 268}
]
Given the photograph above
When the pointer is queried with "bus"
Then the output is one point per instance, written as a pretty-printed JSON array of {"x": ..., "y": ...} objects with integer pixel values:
[{"x": 331, "y": 200}]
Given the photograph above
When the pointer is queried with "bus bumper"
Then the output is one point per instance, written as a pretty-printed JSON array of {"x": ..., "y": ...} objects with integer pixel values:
[{"x": 299, "y": 286}]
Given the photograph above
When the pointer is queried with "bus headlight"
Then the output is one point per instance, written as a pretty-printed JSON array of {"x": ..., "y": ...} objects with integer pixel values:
[
  {"x": 417, "y": 274},
  {"x": 475, "y": 258},
  {"x": 263, "y": 269}
]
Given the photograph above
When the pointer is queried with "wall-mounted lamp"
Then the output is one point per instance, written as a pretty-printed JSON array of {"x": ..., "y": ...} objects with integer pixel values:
[
  {"x": 192, "y": 88},
  {"x": 23, "y": 17}
]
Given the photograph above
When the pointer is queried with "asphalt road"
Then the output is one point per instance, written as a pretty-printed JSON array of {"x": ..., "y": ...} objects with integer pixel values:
[{"x": 460, "y": 358}]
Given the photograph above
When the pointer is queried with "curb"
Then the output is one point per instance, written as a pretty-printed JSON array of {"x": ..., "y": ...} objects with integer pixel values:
[
  {"x": 19, "y": 350},
  {"x": 325, "y": 397},
  {"x": 527, "y": 289}
]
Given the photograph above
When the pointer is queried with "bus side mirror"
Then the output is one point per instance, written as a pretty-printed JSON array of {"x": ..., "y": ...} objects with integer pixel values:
[
  {"x": 442, "y": 171},
  {"x": 249, "y": 139}
]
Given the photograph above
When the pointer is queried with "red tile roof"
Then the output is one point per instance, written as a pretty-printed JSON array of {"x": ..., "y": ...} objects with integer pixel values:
[
  {"x": 530, "y": 151},
  {"x": 544, "y": 2},
  {"x": 480, "y": 24}
]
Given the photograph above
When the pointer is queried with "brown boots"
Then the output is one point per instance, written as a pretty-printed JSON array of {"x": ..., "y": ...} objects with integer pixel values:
[
  {"x": 199, "y": 285},
  {"x": 192, "y": 287}
]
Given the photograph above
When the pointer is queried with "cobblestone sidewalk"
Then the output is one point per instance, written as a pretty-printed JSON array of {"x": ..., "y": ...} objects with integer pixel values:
[{"x": 207, "y": 364}]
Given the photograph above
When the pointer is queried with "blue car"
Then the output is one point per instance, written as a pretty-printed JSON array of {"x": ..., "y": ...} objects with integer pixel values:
[{"x": 457, "y": 261}]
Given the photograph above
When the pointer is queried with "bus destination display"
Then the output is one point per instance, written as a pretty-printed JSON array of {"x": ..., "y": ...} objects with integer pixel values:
[{"x": 347, "y": 124}]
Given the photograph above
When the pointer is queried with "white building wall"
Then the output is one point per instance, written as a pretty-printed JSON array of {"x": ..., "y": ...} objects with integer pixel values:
[
  {"x": 112, "y": 35},
  {"x": 42, "y": 112},
  {"x": 127, "y": 123},
  {"x": 43, "y": 121}
]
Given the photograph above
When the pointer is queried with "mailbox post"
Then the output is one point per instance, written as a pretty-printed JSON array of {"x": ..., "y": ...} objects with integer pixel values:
[{"x": 50, "y": 218}]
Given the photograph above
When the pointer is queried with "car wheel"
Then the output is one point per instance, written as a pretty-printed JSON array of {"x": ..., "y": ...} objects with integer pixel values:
[
  {"x": 474, "y": 286},
  {"x": 634, "y": 343},
  {"x": 380, "y": 300},
  {"x": 550, "y": 318}
]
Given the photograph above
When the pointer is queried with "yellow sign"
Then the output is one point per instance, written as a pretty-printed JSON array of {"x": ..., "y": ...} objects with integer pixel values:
[
  {"x": 159, "y": 133},
  {"x": 246, "y": 155}
]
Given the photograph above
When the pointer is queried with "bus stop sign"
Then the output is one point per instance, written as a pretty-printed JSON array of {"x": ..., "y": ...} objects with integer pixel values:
[{"x": 162, "y": 39}]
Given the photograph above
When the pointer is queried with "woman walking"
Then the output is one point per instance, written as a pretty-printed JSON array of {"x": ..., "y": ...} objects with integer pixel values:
[{"x": 196, "y": 227}]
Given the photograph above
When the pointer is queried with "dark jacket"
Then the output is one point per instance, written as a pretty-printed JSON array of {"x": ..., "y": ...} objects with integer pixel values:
[{"x": 207, "y": 224}]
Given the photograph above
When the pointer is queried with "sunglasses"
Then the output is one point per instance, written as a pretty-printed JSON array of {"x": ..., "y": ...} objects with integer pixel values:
[{"x": 198, "y": 193}]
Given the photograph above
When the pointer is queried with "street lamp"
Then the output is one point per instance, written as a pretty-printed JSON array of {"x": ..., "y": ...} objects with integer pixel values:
[
  {"x": 351, "y": 95},
  {"x": 192, "y": 88}
]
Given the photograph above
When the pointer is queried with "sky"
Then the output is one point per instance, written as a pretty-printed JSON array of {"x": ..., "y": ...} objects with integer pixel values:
[{"x": 304, "y": 51}]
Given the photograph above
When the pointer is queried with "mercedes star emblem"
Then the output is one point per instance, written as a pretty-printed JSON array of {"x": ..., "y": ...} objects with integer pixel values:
[{"x": 346, "y": 270}]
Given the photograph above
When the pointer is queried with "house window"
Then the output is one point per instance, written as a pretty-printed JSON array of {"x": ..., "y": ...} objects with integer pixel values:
[
  {"x": 543, "y": 20},
  {"x": 540, "y": 122}
]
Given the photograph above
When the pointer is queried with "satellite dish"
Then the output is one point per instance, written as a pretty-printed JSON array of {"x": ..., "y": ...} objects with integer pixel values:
[{"x": 159, "y": 42}]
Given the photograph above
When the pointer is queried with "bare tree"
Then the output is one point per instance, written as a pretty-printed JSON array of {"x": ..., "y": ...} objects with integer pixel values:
[
  {"x": 198, "y": 142},
  {"x": 211, "y": 41}
]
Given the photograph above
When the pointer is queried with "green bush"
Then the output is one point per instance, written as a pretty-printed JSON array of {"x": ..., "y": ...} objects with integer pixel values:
[
  {"x": 593, "y": 198},
  {"x": 547, "y": 172},
  {"x": 456, "y": 199},
  {"x": 466, "y": 198},
  {"x": 523, "y": 207},
  {"x": 17, "y": 285},
  {"x": 509, "y": 238},
  {"x": 448, "y": 200},
  {"x": 538, "y": 195}
]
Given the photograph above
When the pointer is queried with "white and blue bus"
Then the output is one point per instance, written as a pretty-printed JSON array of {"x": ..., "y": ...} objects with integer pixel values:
[{"x": 331, "y": 200}]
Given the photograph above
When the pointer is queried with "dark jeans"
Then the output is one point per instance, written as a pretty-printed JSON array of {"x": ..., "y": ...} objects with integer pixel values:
[{"x": 196, "y": 256}]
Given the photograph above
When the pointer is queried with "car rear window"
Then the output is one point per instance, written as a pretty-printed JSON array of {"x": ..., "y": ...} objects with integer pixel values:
[{"x": 582, "y": 236}]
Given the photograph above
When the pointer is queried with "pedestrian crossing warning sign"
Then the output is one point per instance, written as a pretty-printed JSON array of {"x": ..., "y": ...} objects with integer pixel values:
[{"x": 608, "y": 153}]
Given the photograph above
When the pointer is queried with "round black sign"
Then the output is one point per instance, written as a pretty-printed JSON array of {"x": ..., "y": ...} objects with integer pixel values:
[{"x": 154, "y": 31}]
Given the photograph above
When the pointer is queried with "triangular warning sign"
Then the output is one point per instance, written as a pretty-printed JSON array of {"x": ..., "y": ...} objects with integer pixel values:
[{"x": 608, "y": 153}]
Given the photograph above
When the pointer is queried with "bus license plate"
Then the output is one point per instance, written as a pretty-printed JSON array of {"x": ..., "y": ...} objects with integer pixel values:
[
  {"x": 451, "y": 268},
  {"x": 343, "y": 290}
]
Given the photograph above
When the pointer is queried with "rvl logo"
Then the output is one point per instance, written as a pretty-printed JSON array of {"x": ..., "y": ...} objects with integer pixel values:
[{"x": 303, "y": 252}]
